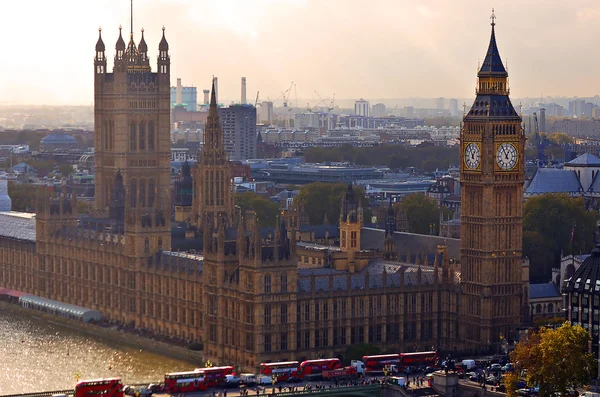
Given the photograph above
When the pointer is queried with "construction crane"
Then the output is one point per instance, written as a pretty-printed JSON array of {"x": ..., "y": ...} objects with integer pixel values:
[
  {"x": 331, "y": 104},
  {"x": 256, "y": 101},
  {"x": 286, "y": 95},
  {"x": 541, "y": 160}
]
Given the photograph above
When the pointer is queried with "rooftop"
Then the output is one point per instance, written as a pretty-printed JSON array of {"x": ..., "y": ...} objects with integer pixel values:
[
  {"x": 18, "y": 225},
  {"x": 552, "y": 180},
  {"x": 585, "y": 160}
]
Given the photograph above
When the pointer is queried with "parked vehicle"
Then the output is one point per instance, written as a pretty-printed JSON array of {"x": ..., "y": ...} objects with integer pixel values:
[
  {"x": 469, "y": 364},
  {"x": 341, "y": 373},
  {"x": 248, "y": 379}
]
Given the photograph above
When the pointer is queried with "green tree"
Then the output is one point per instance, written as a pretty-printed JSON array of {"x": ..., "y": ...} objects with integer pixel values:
[
  {"x": 358, "y": 351},
  {"x": 422, "y": 213},
  {"x": 65, "y": 170},
  {"x": 549, "y": 221},
  {"x": 323, "y": 200},
  {"x": 555, "y": 359},
  {"x": 560, "y": 138},
  {"x": 83, "y": 207},
  {"x": 266, "y": 210},
  {"x": 23, "y": 196}
]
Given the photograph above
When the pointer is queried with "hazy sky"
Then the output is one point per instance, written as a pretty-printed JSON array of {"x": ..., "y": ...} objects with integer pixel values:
[{"x": 353, "y": 48}]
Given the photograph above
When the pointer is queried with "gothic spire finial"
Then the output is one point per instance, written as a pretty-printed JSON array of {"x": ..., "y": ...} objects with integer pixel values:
[
  {"x": 131, "y": 16},
  {"x": 493, "y": 18}
]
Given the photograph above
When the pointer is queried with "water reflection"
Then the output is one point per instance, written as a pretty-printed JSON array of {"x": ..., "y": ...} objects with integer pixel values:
[{"x": 36, "y": 356}]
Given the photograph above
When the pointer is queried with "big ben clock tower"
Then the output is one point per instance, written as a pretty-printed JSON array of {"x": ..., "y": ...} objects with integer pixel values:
[{"x": 492, "y": 172}]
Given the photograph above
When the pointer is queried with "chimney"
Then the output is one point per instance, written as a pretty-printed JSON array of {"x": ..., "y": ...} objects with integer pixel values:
[
  {"x": 243, "y": 90},
  {"x": 206, "y": 96},
  {"x": 217, "y": 89},
  {"x": 178, "y": 92}
]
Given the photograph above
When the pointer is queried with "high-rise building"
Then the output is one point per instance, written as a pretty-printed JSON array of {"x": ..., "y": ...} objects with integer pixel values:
[
  {"x": 492, "y": 173},
  {"x": 361, "y": 108},
  {"x": 440, "y": 103},
  {"x": 453, "y": 107},
  {"x": 379, "y": 110},
  {"x": 266, "y": 112},
  {"x": 543, "y": 120},
  {"x": 239, "y": 131},
  {"x": 184, "y": 96}
]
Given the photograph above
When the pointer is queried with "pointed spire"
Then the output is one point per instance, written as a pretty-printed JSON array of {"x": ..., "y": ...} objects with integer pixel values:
[
  {"x": 100, "y": 44},
  {"x": 163, "y": 45},
  {"x": 120, "y": 42},
  {"x": 492, "y": 64},
  {"x": 143, "y": 47},
  {"x": 213, "y": 101}
]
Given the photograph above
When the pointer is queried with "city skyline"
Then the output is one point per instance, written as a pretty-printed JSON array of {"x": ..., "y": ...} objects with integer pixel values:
[{"x": 429, "y": 49}]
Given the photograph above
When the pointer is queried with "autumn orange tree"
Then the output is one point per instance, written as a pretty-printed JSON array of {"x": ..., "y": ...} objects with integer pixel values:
[{"x": 555, "y": 359}]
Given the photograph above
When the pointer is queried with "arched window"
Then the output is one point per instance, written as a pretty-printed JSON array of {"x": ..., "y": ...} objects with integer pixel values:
[
  {"x": 104, "y": 138},
  {"x": 550, "y": 308},
  {"x": 267, "y": 280},
  {"x": 143, "y": 192},
  {"x": 146, "y": 247},
  {"x": 538, "y": 309},
  {"x": 132, "y": 193},
  {"x": 283, "y": 282},
  {"x": 142, "y": 133},
  {"x": 132, "y": 136},
  {"x": 151, "y": 143},
  {"x": 151, "y": 192}
]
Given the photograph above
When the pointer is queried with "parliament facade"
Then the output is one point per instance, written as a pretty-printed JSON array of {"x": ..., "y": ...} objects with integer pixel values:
[{"x": 251, "y": 293}]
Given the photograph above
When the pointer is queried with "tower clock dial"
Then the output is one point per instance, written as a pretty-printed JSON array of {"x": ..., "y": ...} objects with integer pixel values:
[
  {"x": 472, "y": 156},
  {"x": 506, "y": 156}
]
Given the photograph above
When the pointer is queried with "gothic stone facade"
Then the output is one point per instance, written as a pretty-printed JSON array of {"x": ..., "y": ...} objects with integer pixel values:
[{"x": 258, "y": 294}]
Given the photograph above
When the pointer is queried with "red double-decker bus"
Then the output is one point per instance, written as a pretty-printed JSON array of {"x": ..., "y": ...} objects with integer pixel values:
[
  {"x": 419, "y": 358},
  {"x": 106, "y": 387},
  {"x": 283, "y": 370},
  {"x": 374, "y": 364},
  {"x": 315, "y": 368},
  {"x": 215, "y": 376},
  {"x": 182, "y": 382}
]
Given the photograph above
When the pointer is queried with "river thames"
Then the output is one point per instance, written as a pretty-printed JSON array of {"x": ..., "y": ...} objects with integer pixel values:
[{"x": 36, "y": 355}]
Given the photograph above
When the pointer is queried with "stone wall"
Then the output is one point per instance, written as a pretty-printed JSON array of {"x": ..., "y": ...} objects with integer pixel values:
[{"x": 166, "y": 349}]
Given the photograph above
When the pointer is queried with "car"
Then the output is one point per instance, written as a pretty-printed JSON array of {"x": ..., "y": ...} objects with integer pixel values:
[
  {"x": 495, "y": 367},
  {"x": 129, "y": 390},
  {"x": 508, "y": 368},
  {"x": 429, "y": 370},
  {"x": 156, "y": 388},
  {"x": 491, "y": 380},
  {"x": 143, "y": 392},
  {"x": 474, "y": 377}
]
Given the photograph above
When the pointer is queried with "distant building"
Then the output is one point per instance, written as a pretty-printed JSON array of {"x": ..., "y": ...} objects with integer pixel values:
[
  {"x": 266, "y": 112},
  {"x": 239, "y": 131},
  {"x": 57, "y": 140},
  {"x": 379, "y": 110},
  {"x": 187, "y": 97},
  {"x": 440, "y": 103},
  {"x": 453, "y": 107},
  {"x": 5, "y": 200},
  {"x": 361, "y": 108}
]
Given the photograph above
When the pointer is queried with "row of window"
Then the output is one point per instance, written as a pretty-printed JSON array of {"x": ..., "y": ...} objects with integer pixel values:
[{"x": 139, "y": 138}]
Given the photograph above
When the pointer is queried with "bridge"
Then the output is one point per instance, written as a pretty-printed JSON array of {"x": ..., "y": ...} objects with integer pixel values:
[{"x": 374, "y": 390}]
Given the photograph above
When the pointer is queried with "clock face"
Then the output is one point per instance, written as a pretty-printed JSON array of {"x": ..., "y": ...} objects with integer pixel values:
[
  {"x": 507, "y": 156},
  {"x": 472, "y": 156}
]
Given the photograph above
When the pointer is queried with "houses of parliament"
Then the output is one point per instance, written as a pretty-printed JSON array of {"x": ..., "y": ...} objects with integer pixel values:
[{"x": 200, "y": 270}]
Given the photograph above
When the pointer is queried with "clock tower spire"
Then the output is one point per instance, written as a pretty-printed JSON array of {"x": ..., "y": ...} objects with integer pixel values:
[{"x": 492, "y": 174}]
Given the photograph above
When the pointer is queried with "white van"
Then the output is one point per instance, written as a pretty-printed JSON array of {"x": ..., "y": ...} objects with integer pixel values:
[
  {"x": 468, "y": 364},
  {"x": 248, "y": 379}
]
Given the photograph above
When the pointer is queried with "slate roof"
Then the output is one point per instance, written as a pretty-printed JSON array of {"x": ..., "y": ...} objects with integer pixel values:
[
  {"x": 372, "y": 238},
  {"x": 492, "y": 64},
  {"x": 551, "y": 180},
  {"x": 540, "y": 291},
  {"x": 321, "y": 230},
  {"x": 371, "y": 274},
  {"x": 585, "y": 160},
  {"x": 586, "y": 278},
  {"x": 17, "y": 225},
  {"x": 595, "y": 185}
]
